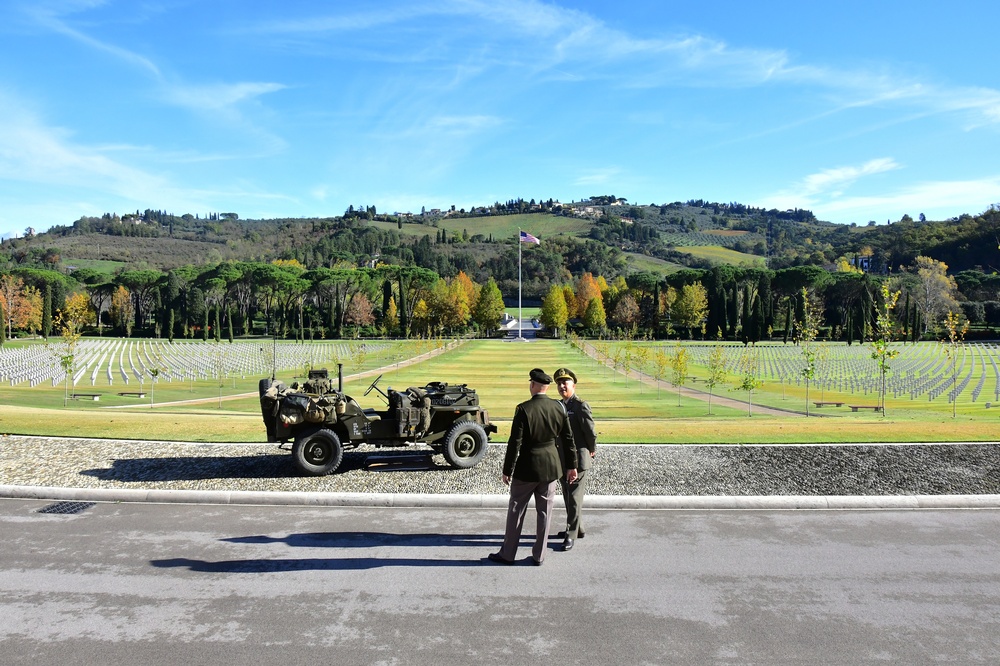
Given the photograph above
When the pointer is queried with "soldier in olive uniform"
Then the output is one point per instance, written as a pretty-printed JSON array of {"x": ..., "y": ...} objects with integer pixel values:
[
  {"x": 585, "y": 436},
  {"x": 539, "y": 448}
]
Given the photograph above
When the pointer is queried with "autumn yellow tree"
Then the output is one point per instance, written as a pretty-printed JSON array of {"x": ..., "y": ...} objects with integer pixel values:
[
  {"x": 554, "y": 311},
  {"x": 450, "y": 305},
  {"x": 690, "y": 307},
  {"x": 935, "y": 294},
  {"x": 420, "y": 319},
  {"x": 391, "y": 316},
  {"x": 470, "y": 288},
  {"x": 11, "y": 288},
  {"x": 70, "y": 321},
  {"x": 28, "y": 313},
  {"x": 570, "y": 297},
  {"x": 75, "y": 315},
  {"x": 122, "y": 310},
  {"x": 586, "y": 291}
]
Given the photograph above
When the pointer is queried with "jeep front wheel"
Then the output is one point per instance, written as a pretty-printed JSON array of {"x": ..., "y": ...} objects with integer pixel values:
[
  {"x": 319, "y": 453},
  {"x": 465, "y": 445}
]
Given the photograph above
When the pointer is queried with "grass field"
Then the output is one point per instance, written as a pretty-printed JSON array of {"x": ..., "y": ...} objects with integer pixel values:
[
  {"x": 722, "y": 255},
  {"x": 640, "y": 262},
  {"x": 541, "y": 225},
  {"x": 100, "y": 265},
  {"x": 626, "y": 410}
]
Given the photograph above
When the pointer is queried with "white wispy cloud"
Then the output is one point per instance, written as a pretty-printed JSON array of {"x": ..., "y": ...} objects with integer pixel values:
[
  {"x": 597, "y": 177},
  {"x": 225, "y": 98},
  {"x": 828, "y": 193},
  {"x": 32, "y": 151},
  {"x": 219, "y": 96},
  {"x": 820, "y": 189},
  {"x": 943, "y": 197},
  {"x": 52, "y": 16},
  {"x": 39, "y": 155},
  {"x": 550, "y": 41},
  {"x": 463, "y": 124},
  {"x": 831, "y": 182}
]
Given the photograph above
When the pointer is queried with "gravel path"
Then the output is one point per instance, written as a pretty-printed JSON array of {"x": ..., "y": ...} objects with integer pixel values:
[{"x": 916, "y": 469}]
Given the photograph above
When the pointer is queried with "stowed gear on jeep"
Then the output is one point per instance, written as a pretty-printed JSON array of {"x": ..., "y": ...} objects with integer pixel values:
[{"x": 322, "y": 421}]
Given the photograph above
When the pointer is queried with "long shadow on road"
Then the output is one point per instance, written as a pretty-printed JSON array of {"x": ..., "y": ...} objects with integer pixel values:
[{"x": 487, "y": 542}]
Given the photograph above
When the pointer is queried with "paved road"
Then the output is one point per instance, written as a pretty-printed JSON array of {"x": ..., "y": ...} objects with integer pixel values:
[{"x": 202, "y": 584}]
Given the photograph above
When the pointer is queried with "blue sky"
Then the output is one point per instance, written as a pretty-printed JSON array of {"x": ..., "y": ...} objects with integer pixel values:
[{"x": 856, "y": 110}]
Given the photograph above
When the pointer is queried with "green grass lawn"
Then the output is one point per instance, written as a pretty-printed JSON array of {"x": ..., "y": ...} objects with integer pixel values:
[
  {"x": 541, "y": 225},
  {"x": 640, "y": 262},
  {"x": 721, "y": 255},
  {"x": 625, "y": 409},
  {"x": 526, "y": 312},
  {"x": 100, "y": 265}
]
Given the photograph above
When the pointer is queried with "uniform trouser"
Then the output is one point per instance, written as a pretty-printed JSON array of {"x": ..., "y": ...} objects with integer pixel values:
[
  {"x": 521, "y": 493},
  {"x": 573, "y": 494}
]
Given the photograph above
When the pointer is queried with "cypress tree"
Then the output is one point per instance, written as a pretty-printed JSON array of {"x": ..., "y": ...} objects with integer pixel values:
[
  {"x": 757, "y": 330},
  {"x": 3, "y": 326},
  {"x": 58, "y": 295},
  {"x": 386, "y": 296},
  {"x": 788, "y": 321},
  {"x": 733, "y": 313},
  {"x": 864, "y": 306},
  {"x": 906, "y": 317},
  {"x": 339, "y": 316},
  {"x": 767, "y": 307},
  {"x": 404, "y": 327},
  {"x": 47, "y": 312},
  {"x": 229, "y": 319},
  {"x": 170, "y": 325}
]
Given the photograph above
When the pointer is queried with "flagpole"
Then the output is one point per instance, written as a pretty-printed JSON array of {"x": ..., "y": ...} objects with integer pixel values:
[{"x": 519, "y": 283}]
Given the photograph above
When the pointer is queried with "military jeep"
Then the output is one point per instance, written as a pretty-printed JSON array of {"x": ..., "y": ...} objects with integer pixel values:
[{"x": 323, "y": 421}]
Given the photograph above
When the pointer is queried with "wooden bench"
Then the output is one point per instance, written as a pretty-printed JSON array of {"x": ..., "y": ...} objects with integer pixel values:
[
  {"x": 133, "y": 394},
  {"x": 855, "y": 408},
  {"x": 825, "y": 403},
  {"x": 85, "y": 396}
]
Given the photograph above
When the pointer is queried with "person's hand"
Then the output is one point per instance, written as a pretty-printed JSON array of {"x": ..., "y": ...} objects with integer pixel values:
[
  {"x": 593, "y": 453},
  {"x": 571, "y": 476},
  {"x": 506, "y": 480}
]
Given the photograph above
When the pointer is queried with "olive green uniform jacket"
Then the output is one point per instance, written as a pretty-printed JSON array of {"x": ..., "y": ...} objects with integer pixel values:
[
  {"x": 584, "y": 431},
  {"x": 541, "y": 444}
]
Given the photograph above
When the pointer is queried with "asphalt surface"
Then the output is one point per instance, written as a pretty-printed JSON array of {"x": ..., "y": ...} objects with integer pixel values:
[
  {"x": 199, "y": 584},
  {"x": 166, "y": 576}
]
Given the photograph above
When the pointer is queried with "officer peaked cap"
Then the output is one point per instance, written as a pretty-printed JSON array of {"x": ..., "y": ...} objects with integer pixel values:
[
  {"x": 564, "y": 373},
  {"x": 539, "y": 377}
]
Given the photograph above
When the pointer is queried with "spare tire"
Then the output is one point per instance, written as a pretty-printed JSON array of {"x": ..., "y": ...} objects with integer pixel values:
[{"x": 465, "y": 444}]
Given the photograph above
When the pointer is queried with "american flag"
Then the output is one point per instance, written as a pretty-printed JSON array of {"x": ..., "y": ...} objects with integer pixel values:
[{"x": 528, "y": 238}]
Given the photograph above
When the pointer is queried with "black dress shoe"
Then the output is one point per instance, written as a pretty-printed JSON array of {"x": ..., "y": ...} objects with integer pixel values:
[
  {"x": 534, "y": 562},
  {"x": 564, "y": 534},
  {"x": 495, "y": 557},
  {"x": 567, "y": 545}
]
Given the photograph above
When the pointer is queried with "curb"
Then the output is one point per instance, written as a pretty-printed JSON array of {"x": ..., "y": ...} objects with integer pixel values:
[{"x": 417, "y": 500}]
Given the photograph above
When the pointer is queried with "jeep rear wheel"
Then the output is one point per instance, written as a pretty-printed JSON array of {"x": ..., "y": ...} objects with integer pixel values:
[
  {"x": 465, "y": 444},
  {"x": 319, "y": 453}
]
